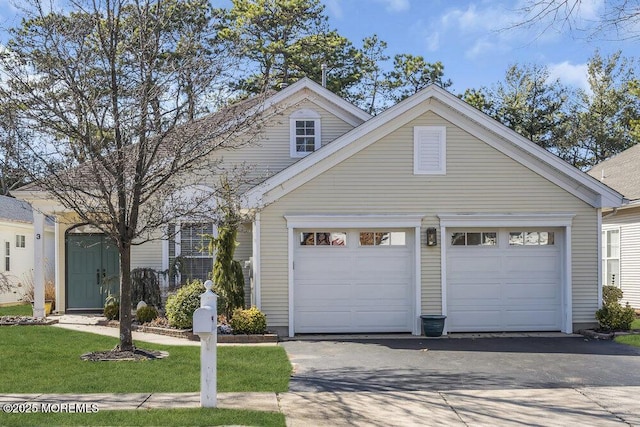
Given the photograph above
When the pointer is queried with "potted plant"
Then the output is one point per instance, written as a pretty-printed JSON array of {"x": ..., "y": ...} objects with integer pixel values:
[{"x": 433, "y": 324}]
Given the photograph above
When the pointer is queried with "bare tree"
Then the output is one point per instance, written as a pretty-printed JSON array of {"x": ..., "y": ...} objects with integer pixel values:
[
  {"x": 618, "y": 19},
  {"x": 115, "y": 90}
]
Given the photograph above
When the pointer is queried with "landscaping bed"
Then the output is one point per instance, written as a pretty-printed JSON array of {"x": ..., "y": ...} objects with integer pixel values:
[
  {"x": 188, "y": 334},
  {"x": 25, "y": 320}
]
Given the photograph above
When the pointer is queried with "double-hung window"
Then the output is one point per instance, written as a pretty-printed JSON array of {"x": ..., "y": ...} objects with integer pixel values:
[
  {"x": 7, "y": 256},
  {"x": 611, "y": 257},
  {"x": 189, "y": 252},
  {"x": 305, "y": 132}
]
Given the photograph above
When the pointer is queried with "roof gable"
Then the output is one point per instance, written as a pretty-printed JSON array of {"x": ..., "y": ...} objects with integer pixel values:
[{"x": 459, "y": 113}]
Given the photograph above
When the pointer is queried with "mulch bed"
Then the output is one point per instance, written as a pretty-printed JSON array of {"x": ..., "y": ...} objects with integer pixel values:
[
  {"x": 25, "y": 320},
  {"x": 117, "y": 355}
]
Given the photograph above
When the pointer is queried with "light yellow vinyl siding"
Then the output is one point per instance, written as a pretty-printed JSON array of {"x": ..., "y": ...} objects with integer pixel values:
[
  {"x": 269, "y": 152},
  {"x": 147, "y": 255},
  {"x": 379, "y": 179},
  {"x": 629, "y": 222}
]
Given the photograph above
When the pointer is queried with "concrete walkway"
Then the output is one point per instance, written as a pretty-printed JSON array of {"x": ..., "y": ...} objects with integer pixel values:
[{"x": 607, "y": 406}]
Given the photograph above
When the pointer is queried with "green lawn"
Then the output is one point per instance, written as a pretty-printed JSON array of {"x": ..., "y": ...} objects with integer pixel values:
[
  {"x": 633, "y": 340},
  {"x": 154, "y": 417},
  {"x": 635, "y": 324},
  {"x": 46, "y": 359},
  {"x": 17, "y": 310}
]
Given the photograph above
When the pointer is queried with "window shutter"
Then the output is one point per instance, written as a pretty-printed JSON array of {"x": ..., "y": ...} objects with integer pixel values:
[{"x": 429, "y": 150}]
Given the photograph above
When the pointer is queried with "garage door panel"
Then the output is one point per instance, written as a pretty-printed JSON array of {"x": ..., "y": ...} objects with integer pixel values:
[
  {"x": 462, "y": 292},
  {"x": 354, "y": 288},
  {"x": 503, "y": 287},
  {"x": 523, "y": 263}
]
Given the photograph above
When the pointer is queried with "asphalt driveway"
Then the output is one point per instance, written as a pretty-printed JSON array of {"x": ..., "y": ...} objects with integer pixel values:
[
  {"x": 460, "y": 364},
  {"x": 531, "y": 381}
]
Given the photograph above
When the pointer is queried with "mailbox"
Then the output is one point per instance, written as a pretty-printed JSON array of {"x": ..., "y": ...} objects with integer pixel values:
[{"x": 204, "y": 321}]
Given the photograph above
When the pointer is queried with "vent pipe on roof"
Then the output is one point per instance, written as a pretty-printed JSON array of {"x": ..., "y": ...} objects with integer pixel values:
[{"x": 324, "y": 75}]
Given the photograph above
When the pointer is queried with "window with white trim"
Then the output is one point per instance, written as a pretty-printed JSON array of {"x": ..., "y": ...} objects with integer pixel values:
[
  {"x": 429, "y": 150},
  {"x": 305, "y": 132},
  {"x": 189, "y": 243},
  {"x": 323, "y": 238},
  {"x": 7, "y": 256},
  {"x": 475, "y": 238},
  {"x": 21, "y": 241},
  {"x": 611, "y": 257}
]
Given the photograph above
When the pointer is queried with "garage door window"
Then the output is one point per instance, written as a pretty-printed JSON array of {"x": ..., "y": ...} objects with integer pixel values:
[
  {"x": 323, "y": 238},
  {"x": 531, "y": 238},
  {"x": 383, "y": 238},
  {"x": 474, "y": 239}
]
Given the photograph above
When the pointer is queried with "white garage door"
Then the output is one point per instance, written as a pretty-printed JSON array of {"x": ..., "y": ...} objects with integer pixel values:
[
  {"x": 504, "y": 280},
  {"x": 353, "y": 281}
]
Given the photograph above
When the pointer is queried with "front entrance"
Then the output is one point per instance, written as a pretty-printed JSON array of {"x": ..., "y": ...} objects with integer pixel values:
[{"x": 93, "y": 266}]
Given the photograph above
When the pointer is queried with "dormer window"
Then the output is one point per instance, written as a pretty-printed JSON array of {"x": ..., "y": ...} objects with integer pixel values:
[{"x": 305, "y": 132}]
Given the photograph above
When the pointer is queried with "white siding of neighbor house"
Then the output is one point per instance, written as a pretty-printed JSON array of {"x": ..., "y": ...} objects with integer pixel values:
[
  {"x": 147, "y": 255},
  {"x": 22, "y": 260},
  {"x": 269, "y": 152},
  {"x": 629, "y": 222},
  {"x": 380, "y": 180}
]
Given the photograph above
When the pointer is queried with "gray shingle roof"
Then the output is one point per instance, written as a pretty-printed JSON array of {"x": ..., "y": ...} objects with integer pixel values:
[
  {"x": 621, "y": 172},
  {"x": 15, "y": 210}
]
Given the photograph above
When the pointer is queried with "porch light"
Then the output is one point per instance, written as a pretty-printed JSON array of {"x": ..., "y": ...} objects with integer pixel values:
[{"x": 432, "y": 236}]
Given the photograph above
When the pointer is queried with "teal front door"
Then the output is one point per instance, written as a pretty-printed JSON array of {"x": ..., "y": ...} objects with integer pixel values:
[{"x": 92, "y": 271}]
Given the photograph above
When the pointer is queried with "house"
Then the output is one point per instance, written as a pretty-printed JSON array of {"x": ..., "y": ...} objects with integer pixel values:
[
  {"x": 17, "y": 240},
  {"x": 365, "y": 223},
  {"x": 621, "y": 226}
]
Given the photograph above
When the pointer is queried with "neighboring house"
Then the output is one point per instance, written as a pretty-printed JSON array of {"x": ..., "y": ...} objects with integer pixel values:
[
  {"x": 431, "y": 207},
  {"x": 16, "y": 250},
  {"x": 621, "y": 226}
]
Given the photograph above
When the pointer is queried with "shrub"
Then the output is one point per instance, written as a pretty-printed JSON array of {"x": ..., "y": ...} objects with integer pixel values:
[
  {"x": 146, "y": 314},
  {"x": 181, "y": 305},
  {"x": 613, "y": 316},
  {"x": 112, "y": 311},
  {"x": 249, "y": 321},
  {"x": 145, "y": 286}
]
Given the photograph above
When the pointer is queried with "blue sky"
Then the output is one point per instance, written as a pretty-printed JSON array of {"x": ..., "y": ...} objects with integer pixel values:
[{"x": 469, "y": 36}]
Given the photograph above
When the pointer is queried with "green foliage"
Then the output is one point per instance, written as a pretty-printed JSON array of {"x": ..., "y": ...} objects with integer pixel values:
[
  {"x": 145, "y": 286},
  {"x": 228, "y": 278},
  {"x": 181, "y": 305},
  {"x": 248, "y": 321},
  {"x": 613, "y": 316},
  {"x": 411, "y": 73},
  {"x": 146, "y": 314},
  {"x": 112, "y": 311}
]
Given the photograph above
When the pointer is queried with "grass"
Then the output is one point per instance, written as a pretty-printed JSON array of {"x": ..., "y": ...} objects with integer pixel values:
[
  {"x": 633, "y": 340},
  {"x": 153, "y": 417},
  {"x": 45, "y": 359},
  {"x": 635, "y": 324},
  {"x": 16, "y": 310}
]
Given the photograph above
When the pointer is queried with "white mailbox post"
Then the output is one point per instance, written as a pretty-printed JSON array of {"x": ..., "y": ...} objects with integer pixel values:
[{"x": 205, "y": 325}]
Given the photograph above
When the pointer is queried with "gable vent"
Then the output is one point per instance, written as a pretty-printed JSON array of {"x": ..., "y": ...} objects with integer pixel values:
[{"x": 429, "y": 150}]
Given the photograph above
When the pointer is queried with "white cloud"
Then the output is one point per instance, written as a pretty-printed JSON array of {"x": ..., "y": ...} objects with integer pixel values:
[
  {"x": 395, "y": 5},
  {"x": 570, "y": 74}
]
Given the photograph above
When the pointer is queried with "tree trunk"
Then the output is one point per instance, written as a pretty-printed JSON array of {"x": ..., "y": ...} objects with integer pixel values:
[{"x": 126, "y": 340}]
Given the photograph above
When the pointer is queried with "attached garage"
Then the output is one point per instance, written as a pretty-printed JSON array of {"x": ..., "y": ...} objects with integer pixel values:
[
  {"x": 504, "y": 279},
  {"x": 357, "y": 280}
]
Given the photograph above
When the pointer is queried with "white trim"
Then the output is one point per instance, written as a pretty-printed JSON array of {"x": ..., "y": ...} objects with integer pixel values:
[
  {"x": 255, "y": 264},
  {"x": 600, "y": 254},
  {"x": 506, "y": 220},
  {"x": 290, "y": 246},
  {"x": 58, "y": 272},
  {"x": 567, "y": 321},
  {"x": 435, "y": 135},
  {"x": 417, "y": 274},
  {"x": 443, "y": 274},
  {"x": 165, "y": 259},
  {"x": 354, "y": 221},
  {"x": 38, "y": 263},
  {"x": 563, "y": 220},
  {"x": 304, "y": 114}
]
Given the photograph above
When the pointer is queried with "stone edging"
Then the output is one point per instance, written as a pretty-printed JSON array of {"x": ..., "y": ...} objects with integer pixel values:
[
  {"x": 188, "y": 334},
  {"x": 590, "y": 333}
]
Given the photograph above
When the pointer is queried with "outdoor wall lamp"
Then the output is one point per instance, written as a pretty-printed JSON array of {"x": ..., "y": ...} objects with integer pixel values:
[{"x": 432, "y": 236}]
